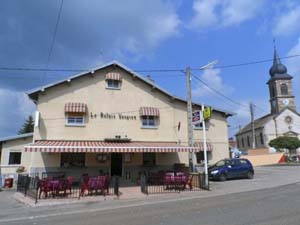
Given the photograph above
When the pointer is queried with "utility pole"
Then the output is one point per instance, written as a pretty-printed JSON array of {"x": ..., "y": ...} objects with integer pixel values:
[
  {"x": 189, "y": 117},
  {"x": 252, "y": 125}
]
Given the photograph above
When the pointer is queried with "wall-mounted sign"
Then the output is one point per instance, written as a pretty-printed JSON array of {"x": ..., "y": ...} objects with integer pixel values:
[
  {"x": 207, "y": 113},
  {"x": 112, "y": 116},
  {"x": 197, "y": 117}
]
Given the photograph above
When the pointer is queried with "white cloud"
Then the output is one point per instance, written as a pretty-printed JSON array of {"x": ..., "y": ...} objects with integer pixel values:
[
  {"x": 222, "y": 13},
  {"x": 15, "y": 108},
  {"x": 213, "y": 79},
  {"x": 122, "y": 30},
  {"x": 288, "y": 22},
  {"x": 205, "y": 14},
  {"x": 237, "y": 11},
  {"x": 293, "y": 64}
]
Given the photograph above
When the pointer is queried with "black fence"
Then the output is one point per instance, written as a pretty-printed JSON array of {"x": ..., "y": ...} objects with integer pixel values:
[
  {"x": 59, "y": 187},
  {"x": 28, "y": 185},
  {"x": 170, "y": 183}
]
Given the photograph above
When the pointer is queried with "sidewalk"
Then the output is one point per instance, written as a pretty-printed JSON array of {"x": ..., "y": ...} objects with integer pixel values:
[{"x": 265, "y": 177}]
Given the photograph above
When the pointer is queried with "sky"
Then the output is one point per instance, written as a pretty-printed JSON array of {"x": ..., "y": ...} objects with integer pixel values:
[{"x": 149, "y": 35}]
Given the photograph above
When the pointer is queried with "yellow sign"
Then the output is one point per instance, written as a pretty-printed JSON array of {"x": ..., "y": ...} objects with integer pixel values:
[{"x": 207, "y": 113}]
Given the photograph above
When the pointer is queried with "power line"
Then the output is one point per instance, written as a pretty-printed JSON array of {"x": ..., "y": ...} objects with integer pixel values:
[
  {"x": 247, "y": 63},
  {"x": 145, "y": 71},
  {"x": 218, "y": 92},
  {"x": 54, "y": 36}
]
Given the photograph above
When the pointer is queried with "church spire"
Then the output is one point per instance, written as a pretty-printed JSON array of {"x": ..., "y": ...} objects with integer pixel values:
[
  {"x": 276, "y": 59},
  {"x": 277, "y": 69}
]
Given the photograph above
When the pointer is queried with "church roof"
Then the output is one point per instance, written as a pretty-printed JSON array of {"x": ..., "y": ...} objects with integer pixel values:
[
  {"x": 258, "y": 123},
  {"x": 278, "y": 71}
]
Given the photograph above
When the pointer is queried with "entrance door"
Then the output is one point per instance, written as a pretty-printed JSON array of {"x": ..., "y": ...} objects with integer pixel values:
[{"x": 116, "y": 164}]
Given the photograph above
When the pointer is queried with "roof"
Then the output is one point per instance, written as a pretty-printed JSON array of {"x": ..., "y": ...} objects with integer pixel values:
[
  {"x": 258, "y": 123},
  {"x": 278, "y": 71},
  {"x": 10, "y": 138},
  {"x": 107, "y": 147},
  {"x": 34, "y": 92}
]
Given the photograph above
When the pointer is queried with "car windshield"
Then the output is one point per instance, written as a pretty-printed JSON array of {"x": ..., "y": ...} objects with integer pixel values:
[{"x": 220, "y": 163}]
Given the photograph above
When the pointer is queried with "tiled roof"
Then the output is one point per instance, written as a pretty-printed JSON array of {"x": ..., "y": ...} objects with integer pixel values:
[
  {"x": 258, "y": 123},
  {"x": 33, "y": 93}
]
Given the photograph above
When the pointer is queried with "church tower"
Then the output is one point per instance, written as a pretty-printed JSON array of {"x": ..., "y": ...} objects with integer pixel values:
[{"x": 280, "y": 87}]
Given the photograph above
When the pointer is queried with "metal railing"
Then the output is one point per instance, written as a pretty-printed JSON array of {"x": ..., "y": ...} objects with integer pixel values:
[
  {"x": 163, "y": 183},
  {"x": 61, "y": 188}
]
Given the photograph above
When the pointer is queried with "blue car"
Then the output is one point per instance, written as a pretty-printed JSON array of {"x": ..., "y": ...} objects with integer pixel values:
[{"x": 231, "y": 168}]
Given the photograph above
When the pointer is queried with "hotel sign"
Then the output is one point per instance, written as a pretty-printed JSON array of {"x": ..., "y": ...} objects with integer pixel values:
[{"x": 112, "y": 116}]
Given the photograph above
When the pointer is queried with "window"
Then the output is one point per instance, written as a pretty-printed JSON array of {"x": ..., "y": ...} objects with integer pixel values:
[
  {"x": 14, "y": 158},
  {"x": 248, "y": 141},
  {"x": 284, "y": 89},
  {"x": 261, "y": 138},
  {"x": 243, "y": 143},
  {"x": 75, "y": 120},
  {"x": 198, "y": 126},
  {"x": 68, "y": 160},
  {"x": 113, "y": 84},
  {"x": 200, "y": 157},
  {"x": 149, "y": 159},
  {"x": 243, "y": 161},
  {"x": 148, "y": 121},
  {"x": 273, "y": 91},
  {"x": 238, "y": 142}
]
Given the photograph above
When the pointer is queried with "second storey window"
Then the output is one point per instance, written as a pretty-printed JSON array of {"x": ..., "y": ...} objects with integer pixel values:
[
  {"x": 113, "y": 80},
  {"x": 198, "y": 126},
  {"x": 148, "y": 121},
  {"x": 75, "y": 113},
  {"x": 149, "y": 117},
  {"x": 114, "y": 84},
  {"x": 75, "y": 120}
]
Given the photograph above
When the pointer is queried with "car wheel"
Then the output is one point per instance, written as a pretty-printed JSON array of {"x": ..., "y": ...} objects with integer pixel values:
[
  {"x": 222, "y": 177},
  {"x": 250, "y": 175}
]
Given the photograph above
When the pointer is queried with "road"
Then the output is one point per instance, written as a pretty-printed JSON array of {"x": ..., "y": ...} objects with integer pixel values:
[{"x": 274, "y": 206}]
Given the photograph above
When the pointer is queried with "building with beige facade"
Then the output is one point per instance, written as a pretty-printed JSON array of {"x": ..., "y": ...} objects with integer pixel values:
[{"x": 112, "y": 120}]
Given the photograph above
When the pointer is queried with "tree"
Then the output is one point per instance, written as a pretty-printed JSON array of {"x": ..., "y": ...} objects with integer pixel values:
[
  {"x": 285, "y": 142},
  {"x": 27, "y": 126}
]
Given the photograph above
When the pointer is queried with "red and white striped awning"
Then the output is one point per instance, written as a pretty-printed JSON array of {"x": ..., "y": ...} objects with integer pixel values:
[
  {"x": 149, "y": 111},
  {"x": 200, "y": 146},
  {"x": 75, "y": 107},
  {"x": 113, "y": 76},
  {"x": 107, "y": 147}
]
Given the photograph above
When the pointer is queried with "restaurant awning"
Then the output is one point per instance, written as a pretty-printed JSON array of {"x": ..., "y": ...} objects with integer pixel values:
[
  {"x": 113, "y": 76},
  {"x": 75, "y": 107},
  {"x": 200, "y": 146},
  {"x": 107, "y": 147},
  {"x": 149, "y": 111}
]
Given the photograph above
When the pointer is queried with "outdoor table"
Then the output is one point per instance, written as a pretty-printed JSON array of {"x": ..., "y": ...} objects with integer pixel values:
[{"x": 57, "y": 186}]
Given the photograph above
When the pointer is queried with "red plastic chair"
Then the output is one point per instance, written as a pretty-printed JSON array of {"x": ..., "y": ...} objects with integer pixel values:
[
  {"x": 44, "y": 186},
  {"x": 70, "y": 183},
  {"x": 85, "y": 184}
]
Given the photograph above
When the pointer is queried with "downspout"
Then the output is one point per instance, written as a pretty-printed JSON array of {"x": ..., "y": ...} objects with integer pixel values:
[{"x": 276, "y": 133}]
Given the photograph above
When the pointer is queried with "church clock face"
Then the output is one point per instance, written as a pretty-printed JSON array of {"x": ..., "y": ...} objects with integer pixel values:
[{"x": 285, "y": 102}]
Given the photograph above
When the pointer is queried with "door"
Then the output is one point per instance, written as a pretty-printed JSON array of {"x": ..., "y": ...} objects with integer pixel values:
[{"x": 116, "y": 164}]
